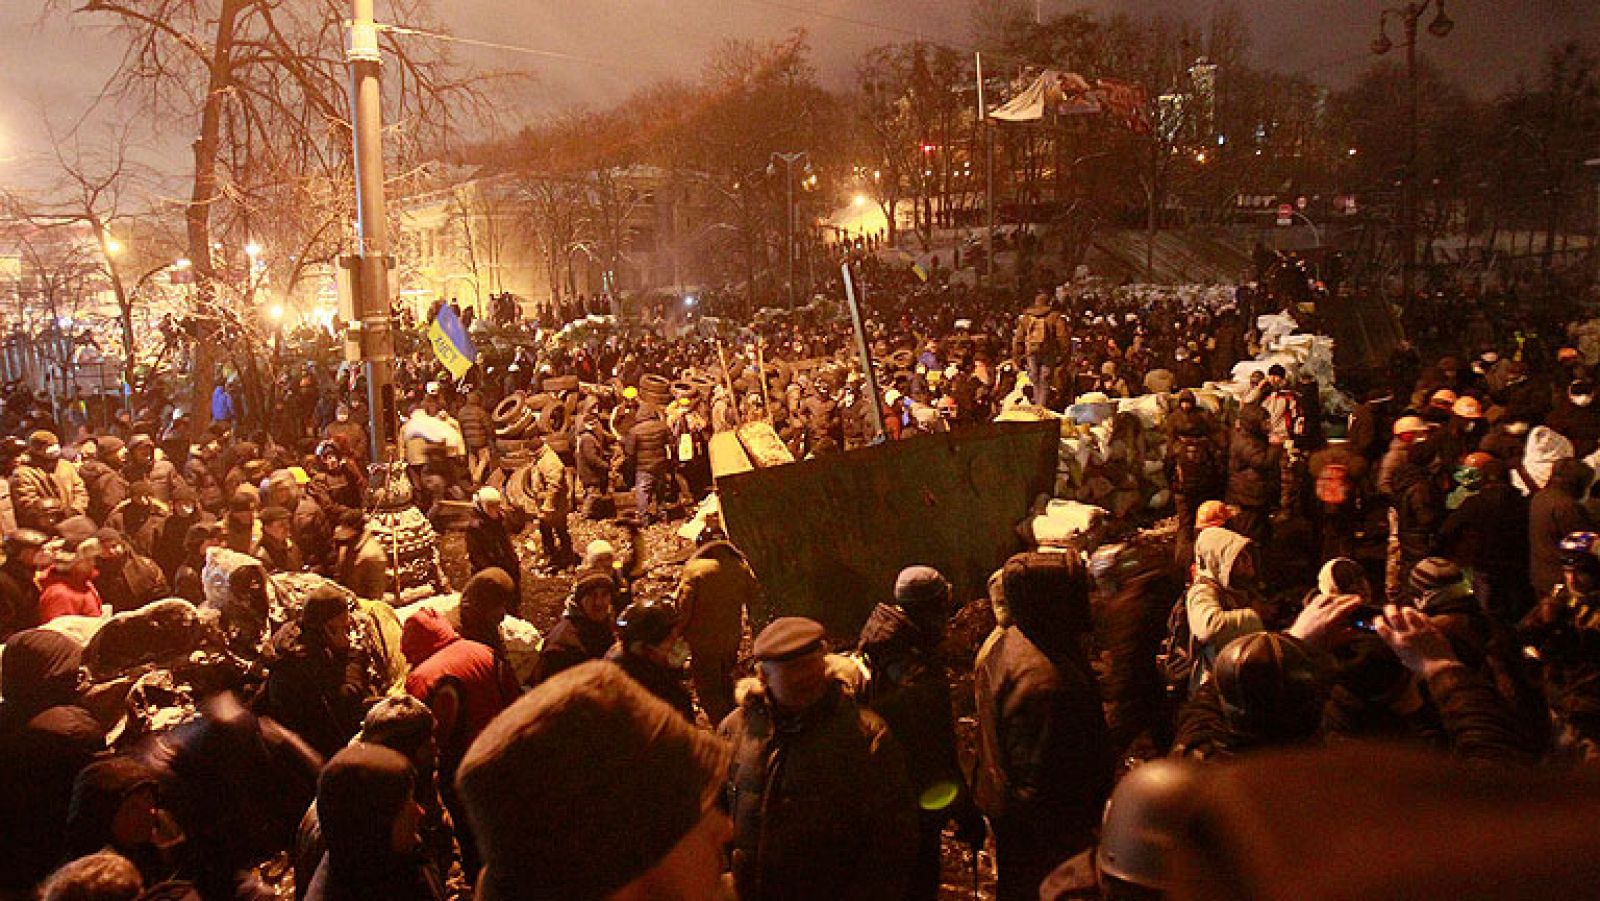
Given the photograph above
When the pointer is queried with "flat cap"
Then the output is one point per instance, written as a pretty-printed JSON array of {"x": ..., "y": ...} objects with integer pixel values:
[{"x": 787, "y": 638}]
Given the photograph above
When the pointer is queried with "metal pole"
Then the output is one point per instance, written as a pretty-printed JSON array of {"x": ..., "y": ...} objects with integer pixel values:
[
  {"x": 372, "y": 230},
  {"x": 867, "y": 375},
  {"x": 788, "y": 180},
  {"x": 1408, "y": 188},
  {"x": 988, "y": 174}
]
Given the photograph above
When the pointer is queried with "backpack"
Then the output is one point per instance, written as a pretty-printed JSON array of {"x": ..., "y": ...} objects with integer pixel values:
[
  {"x": 1037, "y": 335},
  {"x": 1333, "y": 484},
  {"x": 1175, "y": 658}
]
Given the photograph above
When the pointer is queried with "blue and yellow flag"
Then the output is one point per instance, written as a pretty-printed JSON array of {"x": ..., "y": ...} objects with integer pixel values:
[
  {"x": 450, "y": 343},
  {"x": 919, "y": 271}
]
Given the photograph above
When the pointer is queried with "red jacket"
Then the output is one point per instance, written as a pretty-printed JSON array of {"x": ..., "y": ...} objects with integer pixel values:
[
  {"x": 58, "y": 596},
  {"x": 437, "y": 653}
]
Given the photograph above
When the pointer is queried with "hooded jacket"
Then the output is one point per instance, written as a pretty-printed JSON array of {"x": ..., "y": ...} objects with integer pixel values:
[
  {"x": 359, "y": 795},
  {"x": 60, "y": 596},
  {"x": 1218, "y": 612},
  {"x": 438, "y": 655},
  {"x": 45, "y": 739},
  {"x": 1553, "y": 514},
  {"x": 1545, "y": 447}
]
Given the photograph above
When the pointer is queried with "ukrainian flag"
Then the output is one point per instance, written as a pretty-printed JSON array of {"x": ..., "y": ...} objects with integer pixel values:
[
  {"x": 919, "y": 271},
  {"x": 450, "y": 343}
]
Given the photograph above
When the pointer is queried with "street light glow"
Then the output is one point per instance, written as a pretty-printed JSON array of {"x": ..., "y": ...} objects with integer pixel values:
[
  {"x": 860, "y": 200},
  {"x": 113, "y": 246},
  {"x": 252, "y": 250},
  {"x": 182, "y": 263},
  {"x": 275, "y": 312}
]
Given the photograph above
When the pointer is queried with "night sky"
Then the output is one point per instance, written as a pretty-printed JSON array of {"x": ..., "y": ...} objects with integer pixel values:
[{"x": 61, "y": 62}]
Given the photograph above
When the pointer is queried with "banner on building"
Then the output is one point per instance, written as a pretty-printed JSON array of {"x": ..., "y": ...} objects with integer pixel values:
[{"x": 450, "y": 342}]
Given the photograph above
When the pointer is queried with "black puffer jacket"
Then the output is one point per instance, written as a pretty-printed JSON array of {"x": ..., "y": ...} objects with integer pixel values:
[
  {"x": 1252, "y": 461},
  {"x": 476, "y": 426},
  {"x": 318, "y": 692},
  {"x": 647, "y": 442}
]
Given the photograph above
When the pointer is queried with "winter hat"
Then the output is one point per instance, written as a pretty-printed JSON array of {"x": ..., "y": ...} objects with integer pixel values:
[
  {"x": 270, "y": 515},
  {"x": 107, "y": 446},
  {"x": 399, "y": 722},
  {"x": 359, "y": 793},
  {"x": 656, "y": 780},
  {"x": 788, "y": 638},
  {"x": 590, "y": 581},
  {"x": 489, "y": 586},
  {"x": 322, "y": 606},
  {"x": 597, "y": 549},
  {"x": 1433, "y": 577},
  {"x": 920, "y": 586},
  {"x": 41, "y": 441},
  {"x": 97, "y": 793},
  {"x": 1341, "y": 575}
]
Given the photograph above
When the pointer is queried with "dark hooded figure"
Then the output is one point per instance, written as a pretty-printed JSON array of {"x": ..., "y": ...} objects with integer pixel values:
[
  {"x": 317, "y": 684},
  {"x": 115, "y": 805},
  {"x": 45, "y": 740},
  {"x": 1044, "y": 762},
  {"x": 910, "y": 691},
  {"x": 584, "y": 631},
  {"x": 1252, "y": 474},
  {"x": 1553, "y": 514},
  {"x": 237, "y": 784},
  {"x": 369, "y": 820}
]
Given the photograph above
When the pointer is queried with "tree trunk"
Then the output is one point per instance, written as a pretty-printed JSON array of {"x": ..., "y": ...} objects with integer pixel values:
[{"x": 197, "y": 215}]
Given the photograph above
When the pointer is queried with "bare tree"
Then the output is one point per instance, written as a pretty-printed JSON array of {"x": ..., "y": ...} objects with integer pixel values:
[{"x": 264, "y": 83}]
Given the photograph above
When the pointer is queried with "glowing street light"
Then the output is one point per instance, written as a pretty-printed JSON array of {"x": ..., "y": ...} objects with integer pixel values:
[
  {"x": 860, "y": 200},
  {"x": 113, "y": 246},
  {"x": 252, "y": 250},
  {"x": 182, "y": 263},
  {"x": 275, "y": 312}
]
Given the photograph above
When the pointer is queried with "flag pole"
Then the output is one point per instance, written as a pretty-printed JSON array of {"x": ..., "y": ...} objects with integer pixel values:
[{"x": 988, "y": 171}]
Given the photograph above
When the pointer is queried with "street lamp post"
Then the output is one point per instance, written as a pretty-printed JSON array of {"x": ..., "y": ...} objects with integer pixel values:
[
  {"x": 1409, "y": 15},
  {"x": 789, "y": 159}
]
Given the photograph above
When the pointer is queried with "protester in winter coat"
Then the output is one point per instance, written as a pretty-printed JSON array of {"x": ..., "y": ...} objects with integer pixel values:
[
  {"x": 403, "y": 724},
  {"x": 715, "y": 588},
  {"x": 1220, "y": 600},
  {"x": 1135, "y": 588},
  {"x": 489, "y": 537},
  {"x": 1252, "y": 474},
  {"x": 144, "y": 463},
  {"x": 26, "y": 559},
  {"x": 459, "y": 681},
  {"x": 115, "y": 806},
  {"x": 277, "y": 548},
  {"x": 648, "y": 451},
  {"x": 362, "y": 565},
  {"x": 477, "y": 432},
  {"x": 45, "y": 740},
  {"x": 1565, "y": 629},
  {"x": 316, "y": 685},
  {"x": 168, "y": 547},
  {"x": 69, "y": 589},
  {"x": 550, "y": 484},
  {"x": 369, "y": 821},
  {"x": 1577, "y": 418},
  {"x": 837, "y": 818},
  {"x": 102, "y": 480},
  {"x": 584, "y": 630},
  {"x": 237, "y": 786},
  {"x": 1044, "y": 766},
  {"x": 1543, "y": 449},
  {"x": 41, "y": 476},
  {"x": 139, "y": 519},
  {"x": 126, "y": 579},
  {"x": 186, "y": 582},
  {"x": 651, "y": 650},
  {"x": 1487, "y": 535},
  {"x": 1554, "y": 513},
  {"x": 909, "y": 690}
]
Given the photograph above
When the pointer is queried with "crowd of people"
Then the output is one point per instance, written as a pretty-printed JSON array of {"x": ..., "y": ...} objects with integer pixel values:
[{"x": 1425, "y": 572}]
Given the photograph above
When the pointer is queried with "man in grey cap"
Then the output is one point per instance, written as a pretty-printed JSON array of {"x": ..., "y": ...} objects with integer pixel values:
[
  {"x": 589, "y": 788},
  {"x": 821, "y": 804}
]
